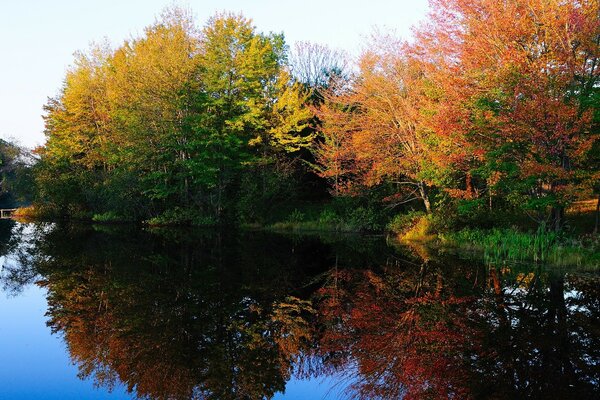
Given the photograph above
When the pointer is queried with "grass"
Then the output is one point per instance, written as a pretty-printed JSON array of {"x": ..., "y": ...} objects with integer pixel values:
[
  {"x": 413, "y": 226},
  {"x": 110, "y": 217},
  {"x": 329, "y": 219},
  {"x": 542, "y": 246},
  {"x": 314, "y": 226},
  {"x": 181, "y": 217}
]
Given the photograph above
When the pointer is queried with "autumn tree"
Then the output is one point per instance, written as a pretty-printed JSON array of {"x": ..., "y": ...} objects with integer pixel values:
[
  {"x": 251, "y": 107},
  {"x": 516, "y": 77},
  {"x": 152, "y": 90},
  {"x": 167, "y": 122},
  {"x": 77, "y": 125},
  {"x": 372, "y": 127}
]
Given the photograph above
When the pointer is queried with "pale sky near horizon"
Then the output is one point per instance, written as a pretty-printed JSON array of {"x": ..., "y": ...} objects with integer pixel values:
[{"x": 39, "y": 37}]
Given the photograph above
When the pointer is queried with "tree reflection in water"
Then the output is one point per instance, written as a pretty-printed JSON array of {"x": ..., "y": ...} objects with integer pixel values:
[
  {"x": 182, "y": 315},
  {"x": 452, "y": 331}
]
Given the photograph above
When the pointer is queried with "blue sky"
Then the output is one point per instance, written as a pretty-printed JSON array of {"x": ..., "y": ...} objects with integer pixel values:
[{"x": 38, "y": 38}]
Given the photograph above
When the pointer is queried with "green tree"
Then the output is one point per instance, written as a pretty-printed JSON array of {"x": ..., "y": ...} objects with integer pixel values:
[{"x": 168, "y": 122}]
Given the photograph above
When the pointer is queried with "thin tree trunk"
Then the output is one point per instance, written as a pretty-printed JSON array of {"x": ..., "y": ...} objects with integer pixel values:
[
  {"x": 557, "y": 218},
  {"x": 424, "y": 193},
  {"x": 558, "y": 211},
  {"x": 597, "y": 215}
]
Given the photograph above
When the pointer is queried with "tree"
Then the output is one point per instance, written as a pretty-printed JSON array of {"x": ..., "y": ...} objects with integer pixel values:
[
  {"x": 76, "y": 125},
  {"x": 515, "y": 89},
  {"x": 167, "y": 122},
  {"x": 316, "y": 66},
  {"x": 372, "y": 127},
  {"x": 252, "y": 108}
]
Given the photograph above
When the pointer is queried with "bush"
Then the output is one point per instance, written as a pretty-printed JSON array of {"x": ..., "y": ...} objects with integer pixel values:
[
  {"x": 181, "y": 216},
  {"x": 363, "y": 219},
  {"x": 296, "y": 216},
  {"x": 416, "y": 225},
  {"x": 402, "y": 223},
  {"x": 37, "y": 212},
  {"x": 328, "y": 217},
  {"x": 108, "y": 217}
]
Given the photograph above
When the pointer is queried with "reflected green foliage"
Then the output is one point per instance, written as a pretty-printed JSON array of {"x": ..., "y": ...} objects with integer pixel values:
[{"x": 175, "y": 317}]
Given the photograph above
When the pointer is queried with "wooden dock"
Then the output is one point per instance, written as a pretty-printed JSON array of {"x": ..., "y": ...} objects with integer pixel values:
[{"x": 7, "y": 213}]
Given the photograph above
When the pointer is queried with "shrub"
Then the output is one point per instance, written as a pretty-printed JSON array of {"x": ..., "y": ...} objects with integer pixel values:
[
  {"x": 109, "y": 216},
  {"x": 401, "y": 223},
  {"x": 296, "y": 216},
  {"x": 181, "y": 216},
  {"x": 39, "y": 212},
  {"x": 362, "y": 219},
  {"x": 328, "y": 217}
]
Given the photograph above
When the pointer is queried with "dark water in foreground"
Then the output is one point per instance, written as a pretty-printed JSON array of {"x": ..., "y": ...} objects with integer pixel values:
[{"x": 104, "y": 313}]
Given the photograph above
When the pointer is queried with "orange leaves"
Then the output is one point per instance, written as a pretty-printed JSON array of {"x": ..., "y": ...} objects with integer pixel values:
[
  {"x": 515, "y": 73},
  {"x": 373, "y": 129},
  {"x": 402, "y": 330}
]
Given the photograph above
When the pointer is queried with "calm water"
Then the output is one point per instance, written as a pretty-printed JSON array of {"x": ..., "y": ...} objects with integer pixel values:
[{"x": 104, "y": 313}]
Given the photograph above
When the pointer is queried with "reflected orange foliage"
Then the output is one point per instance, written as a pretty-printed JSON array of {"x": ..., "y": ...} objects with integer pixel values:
[{"x": 404, "y": 333}]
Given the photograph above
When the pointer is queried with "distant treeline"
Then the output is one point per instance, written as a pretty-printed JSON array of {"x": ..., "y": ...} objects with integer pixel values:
[
  {"x": 492, "y": 108},
  {"x": 17, "y": 187}
]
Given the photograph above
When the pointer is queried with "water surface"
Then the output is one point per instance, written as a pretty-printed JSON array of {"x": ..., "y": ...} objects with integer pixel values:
[{"x": 123, "y": 313}]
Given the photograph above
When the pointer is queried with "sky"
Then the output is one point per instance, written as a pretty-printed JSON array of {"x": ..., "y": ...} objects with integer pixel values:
[{"x": 38, "y": 38}]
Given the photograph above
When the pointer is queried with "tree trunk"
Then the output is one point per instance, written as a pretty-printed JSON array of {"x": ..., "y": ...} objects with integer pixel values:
[
  {"x": 597, "y": 215},
  {"x": 558, "y": 212},
  {"x": 557, "y": 216},
  {"x": 424, "y": 193}
]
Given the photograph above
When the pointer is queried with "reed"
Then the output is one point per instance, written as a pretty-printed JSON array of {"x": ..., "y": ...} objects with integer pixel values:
[{"x": 511, "y": 245}]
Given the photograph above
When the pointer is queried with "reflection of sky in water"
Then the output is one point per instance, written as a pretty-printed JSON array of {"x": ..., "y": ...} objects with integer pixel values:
[{"x": 35, "y": 364}]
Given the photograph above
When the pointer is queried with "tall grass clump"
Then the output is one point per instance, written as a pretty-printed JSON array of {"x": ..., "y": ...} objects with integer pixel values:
[
  {"x": 541, "y": 246},
  {"x": 414, "y": 226}
]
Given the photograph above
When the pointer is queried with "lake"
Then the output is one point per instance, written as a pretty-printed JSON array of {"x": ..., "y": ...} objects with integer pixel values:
[{"x": 99, "y": 312}]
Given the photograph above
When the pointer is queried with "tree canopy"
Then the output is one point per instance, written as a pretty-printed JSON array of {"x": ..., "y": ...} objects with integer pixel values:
[{"x": 477, "y": 113}]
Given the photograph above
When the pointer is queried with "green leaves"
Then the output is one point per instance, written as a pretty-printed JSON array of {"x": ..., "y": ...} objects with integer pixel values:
[{"x": 180, "y": 111}]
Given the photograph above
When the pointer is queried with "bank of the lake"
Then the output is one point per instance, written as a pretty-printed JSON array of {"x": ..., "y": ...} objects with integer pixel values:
[{"x": 574, "y": 245}]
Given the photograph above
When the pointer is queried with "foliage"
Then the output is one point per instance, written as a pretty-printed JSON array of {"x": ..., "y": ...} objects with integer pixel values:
[
  {"x": 16, "y": 180},
  {"x": 371, "y": 126},
  {"x": 401, "y": 223},
  {"x": 499, "y": 112},
  {"x": 480, "y": 120},
  {"x": 171, "y": 120},
  {"x": 341, "y": 215},
  {"x": 181, "y": 216},
  {"x": 517, "y": 97},
  {"x": 109, "y": 216}
]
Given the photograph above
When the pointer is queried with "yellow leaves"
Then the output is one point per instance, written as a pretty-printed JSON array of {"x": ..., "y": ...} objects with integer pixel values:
[
  {"x": 290, "y": 117},
  {"x": 293, "y": 328},
  {"x": 525, "y": 280}
]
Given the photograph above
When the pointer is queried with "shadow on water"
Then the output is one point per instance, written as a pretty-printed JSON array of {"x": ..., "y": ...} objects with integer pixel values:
[{"x": 179, "y": 314}]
